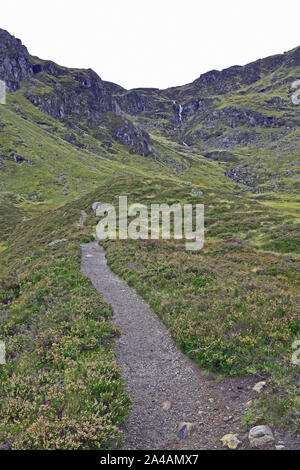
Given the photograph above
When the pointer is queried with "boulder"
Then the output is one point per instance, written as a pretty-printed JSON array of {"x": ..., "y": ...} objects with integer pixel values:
[
  {"x": 95, "y": 206},
  {"x": 260, "y": 435}
]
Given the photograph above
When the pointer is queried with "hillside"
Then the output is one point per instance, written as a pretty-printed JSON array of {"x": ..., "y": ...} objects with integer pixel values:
[{"x": 229, "y": 140}]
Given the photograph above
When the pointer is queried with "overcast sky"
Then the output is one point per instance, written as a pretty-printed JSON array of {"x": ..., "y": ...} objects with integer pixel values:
[{"x": 153, "y": 43}]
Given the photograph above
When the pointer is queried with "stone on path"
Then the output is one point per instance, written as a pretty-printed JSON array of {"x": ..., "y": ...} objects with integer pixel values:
[
  {"x": 185, "y": 429},
  {"x": 231, "y": 441},
  {"x": 259, "y": 386},
  {"x": 167, "y": 405},
  {"x": 260, "y": 435}
]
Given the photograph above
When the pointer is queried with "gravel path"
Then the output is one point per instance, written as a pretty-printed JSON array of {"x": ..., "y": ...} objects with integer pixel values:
[{"x": 166, "y": 388}]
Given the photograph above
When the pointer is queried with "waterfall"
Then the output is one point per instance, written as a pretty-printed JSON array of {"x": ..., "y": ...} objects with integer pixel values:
[{"x": 180, "y": 109}]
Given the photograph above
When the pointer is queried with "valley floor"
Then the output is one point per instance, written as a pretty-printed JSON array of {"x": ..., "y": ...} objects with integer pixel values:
[
  {"x": 232, "y": 308},
  {"x": 174, "y": 405}
]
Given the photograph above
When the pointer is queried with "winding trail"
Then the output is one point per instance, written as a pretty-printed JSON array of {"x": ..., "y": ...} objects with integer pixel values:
[{"x": 166, "y": 388}]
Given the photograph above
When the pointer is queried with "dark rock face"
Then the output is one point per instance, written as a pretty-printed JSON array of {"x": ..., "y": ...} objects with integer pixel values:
[
  {"x": 133, "y": 102},
  {"x": 15, "y": 66},
  {"x": 235, "y": 117},
  {"x": 220, "y": 82},
  {"x": 15, "y": 158},
  {"x": 88, "y": 100},
  {"x": 36, "y": 68},
  {"x": 128, "y": 134},
  {"x": 248, "y": 175},
  {"x": 232, "y": 78},
  {"x": 199, "y": 105},
  {"x": 18, "y": 159},
  {"x": 86, "y": 97}
]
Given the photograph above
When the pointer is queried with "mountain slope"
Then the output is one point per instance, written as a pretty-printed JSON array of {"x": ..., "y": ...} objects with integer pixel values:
[
  {"x": 242, "y": 119},
  {"x": 63, "y": 132}
]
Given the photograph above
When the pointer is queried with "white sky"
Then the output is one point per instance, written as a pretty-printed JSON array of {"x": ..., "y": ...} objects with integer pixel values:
[{"x": 153, "y": 43}]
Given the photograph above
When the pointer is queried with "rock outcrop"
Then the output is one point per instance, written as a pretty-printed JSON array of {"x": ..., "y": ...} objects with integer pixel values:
[{"x": 15, "y": 66}]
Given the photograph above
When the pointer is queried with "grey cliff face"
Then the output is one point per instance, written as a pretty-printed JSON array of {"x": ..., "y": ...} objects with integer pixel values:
[
  {"x": 15, "y": 66},
  {"x": 128, "y": 134}
]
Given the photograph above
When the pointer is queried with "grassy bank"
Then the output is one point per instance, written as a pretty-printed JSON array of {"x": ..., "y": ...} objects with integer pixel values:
[
  {"x": 61, "y": 387},
  {"x": 233, "y": 307}
]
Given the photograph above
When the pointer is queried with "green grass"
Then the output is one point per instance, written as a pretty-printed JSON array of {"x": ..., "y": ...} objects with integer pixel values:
[
  {"x": 10, "y": 214},
  {"x": 233, "y": 307},
  {"x": 61, "y": 387}
]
